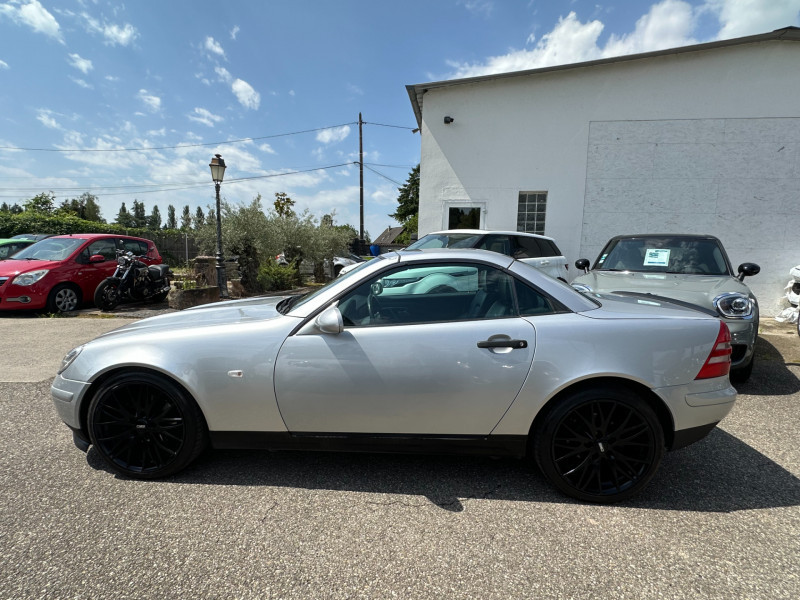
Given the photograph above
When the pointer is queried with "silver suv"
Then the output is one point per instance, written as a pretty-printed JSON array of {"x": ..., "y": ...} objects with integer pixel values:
[{"x": 536, "y": 250}]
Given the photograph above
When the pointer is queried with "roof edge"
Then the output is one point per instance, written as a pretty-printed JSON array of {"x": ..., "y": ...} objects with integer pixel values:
[{"x": 417, "y": 91}]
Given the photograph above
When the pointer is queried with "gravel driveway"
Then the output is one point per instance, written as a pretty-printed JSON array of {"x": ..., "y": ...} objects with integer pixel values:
[{"x": 720, "y": 520}]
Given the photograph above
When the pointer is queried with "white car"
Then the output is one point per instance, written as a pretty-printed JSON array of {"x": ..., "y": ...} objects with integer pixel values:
[{"x": 537, "y": 250}]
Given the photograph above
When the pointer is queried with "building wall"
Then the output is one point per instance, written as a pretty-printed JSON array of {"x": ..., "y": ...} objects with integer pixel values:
[{"x": 705, "y": 140}]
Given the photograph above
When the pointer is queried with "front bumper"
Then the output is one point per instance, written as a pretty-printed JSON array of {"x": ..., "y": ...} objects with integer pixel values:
[
  {"x": 743, "y": 339},
  {"x": 67, "y": 395}
]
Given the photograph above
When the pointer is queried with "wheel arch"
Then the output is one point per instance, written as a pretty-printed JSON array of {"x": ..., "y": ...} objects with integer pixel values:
[
  {"x": 65, "y": 284},
  {"x": 657, "y": 404},
  {"x": 98, "y": 384}
]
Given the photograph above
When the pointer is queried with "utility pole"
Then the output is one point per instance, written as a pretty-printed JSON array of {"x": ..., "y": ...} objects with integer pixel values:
[{"x": 361, "y": 180}]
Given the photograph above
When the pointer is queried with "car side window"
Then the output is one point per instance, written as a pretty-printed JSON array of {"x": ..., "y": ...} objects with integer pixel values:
[
  {"x": 135, "y": 246},
  {"x": 430, "y": 293},
  {"x": 105, "y": 248},
  {"x": 527, "y": 247},
  {"x": 532, "y": 302},
  {"x": 496, "y": 243}
]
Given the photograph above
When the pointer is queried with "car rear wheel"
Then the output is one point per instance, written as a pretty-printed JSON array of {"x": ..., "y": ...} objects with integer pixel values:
[
  {"x": 145, "y": 426},
  {"x": 599, "y": 445},
  {"x": 63, "y": 298}
]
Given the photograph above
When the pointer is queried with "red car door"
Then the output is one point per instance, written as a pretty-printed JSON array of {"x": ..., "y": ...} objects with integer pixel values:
[{"x": 88, "y": 275}]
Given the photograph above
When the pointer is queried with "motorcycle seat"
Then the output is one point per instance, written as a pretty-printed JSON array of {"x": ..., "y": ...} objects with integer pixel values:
[{"x": 158, "y": 271}]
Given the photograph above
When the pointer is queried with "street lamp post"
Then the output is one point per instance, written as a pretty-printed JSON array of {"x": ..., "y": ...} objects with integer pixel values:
[{"x": 217, "y": 173}]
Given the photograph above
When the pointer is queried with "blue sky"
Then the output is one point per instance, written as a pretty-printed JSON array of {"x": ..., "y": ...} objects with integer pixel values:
[{"x": 131, "y": 100}]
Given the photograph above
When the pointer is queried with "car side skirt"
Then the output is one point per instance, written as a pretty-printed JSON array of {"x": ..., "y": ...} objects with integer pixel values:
[{"x": 493, "y": 445}]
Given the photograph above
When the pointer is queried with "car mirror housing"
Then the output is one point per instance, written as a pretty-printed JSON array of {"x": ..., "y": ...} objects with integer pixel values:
[
  {"x": 330, "y": 321},
  {"x": 97, "y": 258},
  {"x": 748, "y": 270},
  {"x": 582, "y": 264}
]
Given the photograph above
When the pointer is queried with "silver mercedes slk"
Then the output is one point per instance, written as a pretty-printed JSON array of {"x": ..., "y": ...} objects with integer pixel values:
[{"x": 463, "y": 351}]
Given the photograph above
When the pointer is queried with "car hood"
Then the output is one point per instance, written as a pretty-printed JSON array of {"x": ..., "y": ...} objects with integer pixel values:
[
  {"x": 207, "y": 315},
  {"x": 694, "y": 289},
  {"x": 11, "y": 267}
]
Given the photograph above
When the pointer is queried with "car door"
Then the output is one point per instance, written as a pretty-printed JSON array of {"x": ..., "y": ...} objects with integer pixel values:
[
  {"x": 90, "y": 274},
  {"x": 439, "y": 357}
]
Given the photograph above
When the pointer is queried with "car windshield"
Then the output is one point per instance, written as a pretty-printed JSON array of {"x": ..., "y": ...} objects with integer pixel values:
[
  {"x": 446, "y": 240},
  {"x": 49, "y": 249},
  {"x": 292, "y": 302},
  {"x": 664, "y": 254}
]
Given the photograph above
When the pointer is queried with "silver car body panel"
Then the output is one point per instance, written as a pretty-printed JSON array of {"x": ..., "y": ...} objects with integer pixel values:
[{"x": 429, "y": 378}]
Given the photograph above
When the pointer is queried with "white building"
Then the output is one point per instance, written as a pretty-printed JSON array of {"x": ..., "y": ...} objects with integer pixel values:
[{"x": 699, "y": 139}]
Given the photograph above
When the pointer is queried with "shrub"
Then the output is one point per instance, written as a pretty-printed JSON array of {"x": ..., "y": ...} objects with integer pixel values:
[{"x": 275, "y": 277}]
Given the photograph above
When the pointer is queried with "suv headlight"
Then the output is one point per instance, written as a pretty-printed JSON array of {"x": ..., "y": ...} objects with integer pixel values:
[
  {"x": 734, "y": 305},
  {"x": 69, "y": 359},
  {"x": 30, "y": 277}
]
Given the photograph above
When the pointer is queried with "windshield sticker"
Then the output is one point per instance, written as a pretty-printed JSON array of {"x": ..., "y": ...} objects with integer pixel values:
[
  {"x": 656, "y": 257},
  {"x": 602, "y": 259}
]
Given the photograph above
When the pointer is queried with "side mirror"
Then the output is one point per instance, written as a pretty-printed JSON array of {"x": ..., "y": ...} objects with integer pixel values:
[
  {"x": 748, "y": 270},
  {"x": 582, "y": 264},
  {"x": 97, "y": 258},
  {"x": 330, "y": 321}
]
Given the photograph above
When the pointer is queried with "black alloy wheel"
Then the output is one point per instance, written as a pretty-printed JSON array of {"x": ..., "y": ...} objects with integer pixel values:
[
  {"x": 144, "y": 426},
  {"x": 600, "y": 445}
]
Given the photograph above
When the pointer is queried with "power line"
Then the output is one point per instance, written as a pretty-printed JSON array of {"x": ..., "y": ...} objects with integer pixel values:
[
  {"x": 382, "y": 175},
  {"x": 384, "y": 125},
  {"x": 238, "y": 141},
  {"x": 164, "y": 187}
]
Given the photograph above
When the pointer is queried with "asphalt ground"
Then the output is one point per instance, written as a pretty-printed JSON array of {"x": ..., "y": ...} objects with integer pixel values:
[{"x": 720, "y": 519}]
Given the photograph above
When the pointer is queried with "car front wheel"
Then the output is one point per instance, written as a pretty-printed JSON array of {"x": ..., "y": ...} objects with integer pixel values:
[
  {"x": 63, "y": 298},
  {"x": 144, "y": 426},
  {"x": 599, "y": 445}
]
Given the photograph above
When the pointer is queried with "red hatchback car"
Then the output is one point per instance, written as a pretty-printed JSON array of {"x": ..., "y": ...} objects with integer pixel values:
[{"x": 61, "y": 272}]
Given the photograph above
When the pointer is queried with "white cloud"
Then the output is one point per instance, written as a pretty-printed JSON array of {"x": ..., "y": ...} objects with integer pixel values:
[
  {"x": 84, "y": 65},
  {"x": 223, "y": 74},
  {"x": 739, "y": 18},
  {"x": 3, "y": 64},
  {"x": 335, "y": 134},
  {"x": 267, "y": 148},
  {"x": 45, "y": 117},
  {"x": 214, "y": 47},
  {"x": 35, "y": 16},
  {"x": 247, "y": 96},
  {"x": 152, "y": 102},
  {"x": 201, "y": 115},
  {"x": 667, "y": 24},
  {"x": 234, "y": 32},
  {"x": 115, "y": 35},
  {"x": 111, "y": 78},
  {"x": 478, "y": 7},
  {"x": 82, "y": 83}
]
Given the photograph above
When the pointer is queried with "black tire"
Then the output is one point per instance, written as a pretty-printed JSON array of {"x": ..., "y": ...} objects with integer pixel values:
[
  {"x": 64, "y": 297},
  {"x": 160, "y": 297},
  {"x": 106, "y": 296},
  {"x": 742, "y": 374},
  {"x": 599, "y": 445},
  {"x": 145, "y": 426}
]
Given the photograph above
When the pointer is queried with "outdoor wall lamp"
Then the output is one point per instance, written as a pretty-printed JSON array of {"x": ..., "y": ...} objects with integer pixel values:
[{"x": 448, "y": 120}]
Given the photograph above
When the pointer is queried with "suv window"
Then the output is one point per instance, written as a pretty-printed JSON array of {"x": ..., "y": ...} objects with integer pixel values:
[
  {"x": 496, "y": 243},
  {"x": 135, "y": 246}
]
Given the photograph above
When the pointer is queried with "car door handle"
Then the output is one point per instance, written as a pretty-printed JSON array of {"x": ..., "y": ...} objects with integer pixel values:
[{"x": 503, "y": 344}]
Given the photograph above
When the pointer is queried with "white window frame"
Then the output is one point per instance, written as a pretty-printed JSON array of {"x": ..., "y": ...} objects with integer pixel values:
[{"x": 448, "y": 204}]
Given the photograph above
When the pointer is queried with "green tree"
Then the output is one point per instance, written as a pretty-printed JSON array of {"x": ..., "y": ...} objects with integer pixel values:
[
  {"x": 186, "y": 218},
  {"x": 283, "y": 205},
  {"x": 139, "y": 214},
  {"x": 5, "y": 208},
  {"x": 43, "y": 203},
  {"x": 407, "y": 212},
  {"x": 172, "y": 222},
  {"x": 124, "y": 218},
  {"x": 154, "y": 220},
  {"x": 84, "y": 207},
  {"x": 199, "y": 218}
]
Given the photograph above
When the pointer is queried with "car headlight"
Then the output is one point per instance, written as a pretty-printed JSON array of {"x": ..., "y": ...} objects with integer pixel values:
[
  {"x": 734, "y": 305},
  {"x": 69, "y": 359},
  {"x": 582, "y": 287},
  {"x": 30, "y": 277}
]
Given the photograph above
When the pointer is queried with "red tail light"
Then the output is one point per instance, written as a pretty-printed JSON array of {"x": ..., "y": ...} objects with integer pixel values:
[{"x": 718, "y": 362}]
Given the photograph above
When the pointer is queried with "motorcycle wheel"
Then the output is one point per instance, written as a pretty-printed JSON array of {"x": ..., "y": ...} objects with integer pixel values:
[{"x": 106, "y": 296}]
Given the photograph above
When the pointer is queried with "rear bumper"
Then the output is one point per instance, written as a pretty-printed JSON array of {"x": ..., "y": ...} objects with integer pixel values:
[{"x": 697, "y": 408}]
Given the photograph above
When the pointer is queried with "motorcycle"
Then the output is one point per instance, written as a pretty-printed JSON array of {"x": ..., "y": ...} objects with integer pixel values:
[
  {"x": 792, "y": 289},
  {"x": 133, "y": 280}
]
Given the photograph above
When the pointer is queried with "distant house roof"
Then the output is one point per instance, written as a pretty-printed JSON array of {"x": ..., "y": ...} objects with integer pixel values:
[
  {"x": 389, "y": 236},
  {"x": 417, "y": 91}
]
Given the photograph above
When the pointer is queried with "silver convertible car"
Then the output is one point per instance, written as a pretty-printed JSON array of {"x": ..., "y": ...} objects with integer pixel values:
[{"x": 495, "y": 357}]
